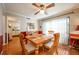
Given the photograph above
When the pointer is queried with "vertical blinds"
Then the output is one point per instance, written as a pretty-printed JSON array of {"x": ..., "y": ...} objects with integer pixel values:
[{"x": 58, "y": 25}]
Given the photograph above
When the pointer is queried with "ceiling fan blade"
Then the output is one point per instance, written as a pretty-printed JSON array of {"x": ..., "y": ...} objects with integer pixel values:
[
  {"x": 50, "y": 5},
  {"x": 36, "y": 12},
  {"x": 35, "y": 5}
]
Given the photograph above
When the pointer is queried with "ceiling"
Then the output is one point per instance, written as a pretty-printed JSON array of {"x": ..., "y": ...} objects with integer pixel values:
[{"x": 28, "y": 10}]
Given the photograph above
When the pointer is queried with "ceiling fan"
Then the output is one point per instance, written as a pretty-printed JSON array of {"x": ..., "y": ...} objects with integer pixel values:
[{"x": 42, "y": 7}]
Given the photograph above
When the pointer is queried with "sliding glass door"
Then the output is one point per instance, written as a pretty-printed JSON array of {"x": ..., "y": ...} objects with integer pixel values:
[{"x": 58, "y": 25}]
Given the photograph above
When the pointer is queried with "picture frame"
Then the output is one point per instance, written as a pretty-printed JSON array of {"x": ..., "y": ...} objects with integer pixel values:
[{"x": 31, "y": 25}]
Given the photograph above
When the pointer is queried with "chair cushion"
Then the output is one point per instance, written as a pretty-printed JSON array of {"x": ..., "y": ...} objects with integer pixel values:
[
  {"x": 48, "y": 44},
  {"x": 29, "y": 47},
  {"x": 39, "y": 32}
]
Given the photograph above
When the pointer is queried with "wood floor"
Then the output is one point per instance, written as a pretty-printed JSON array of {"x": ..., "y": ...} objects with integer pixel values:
[{"x": 14, "y": 48}]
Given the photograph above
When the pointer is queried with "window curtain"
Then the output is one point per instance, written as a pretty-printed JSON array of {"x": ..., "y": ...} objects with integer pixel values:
[{"x": 60, "y": 25}]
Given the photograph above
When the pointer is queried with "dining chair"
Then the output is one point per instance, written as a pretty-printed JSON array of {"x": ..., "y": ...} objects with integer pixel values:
[
  {"x": 39, "y": 32},
  {"x": 26, "y": 48},
  {"x": 52, "y": 45},
  {"x": 25, "y": 34}
]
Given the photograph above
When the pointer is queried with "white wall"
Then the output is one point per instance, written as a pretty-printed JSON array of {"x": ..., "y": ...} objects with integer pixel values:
[
  {"x": 74, "y": 21},
  {"x": 24, "y": 27},
  {"x": 1, "y": 21},
  {"x": 2, "y": 25},
  {"x": 22, "y": 22}
]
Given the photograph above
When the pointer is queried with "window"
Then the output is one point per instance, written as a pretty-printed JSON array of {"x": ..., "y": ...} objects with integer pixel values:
[{"x": 58, "y": 25}]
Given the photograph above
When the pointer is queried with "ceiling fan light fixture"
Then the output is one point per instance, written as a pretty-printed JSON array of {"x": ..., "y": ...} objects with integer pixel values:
[{"x": 42, "y": 11}]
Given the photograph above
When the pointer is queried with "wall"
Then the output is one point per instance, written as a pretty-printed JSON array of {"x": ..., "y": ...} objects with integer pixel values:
[
  {"x": 22, "y": 22},
  {"x": 1, "y": 29},
  {"x": 1, "y": 21},
  {"x": 24, "y": 26},
  {"x": 74, "y": 21}
]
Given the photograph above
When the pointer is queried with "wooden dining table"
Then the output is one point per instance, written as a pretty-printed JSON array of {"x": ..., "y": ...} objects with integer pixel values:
[{"x": 38, "y": 41}]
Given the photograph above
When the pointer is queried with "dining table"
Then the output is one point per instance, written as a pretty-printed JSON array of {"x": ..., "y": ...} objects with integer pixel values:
[{"x": 38, "y": 40}]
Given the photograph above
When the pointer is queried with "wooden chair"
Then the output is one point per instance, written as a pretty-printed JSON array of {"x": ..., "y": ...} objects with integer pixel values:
[
  {"x": 26, "y": 48},
  {"x": 52, "y": 46},
  {"x": 25, "y": 34},
  {"x": 39, "y": 32}
]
